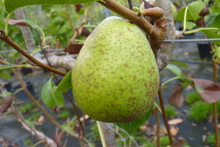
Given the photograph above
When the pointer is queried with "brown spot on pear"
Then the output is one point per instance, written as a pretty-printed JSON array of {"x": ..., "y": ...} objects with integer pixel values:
[{"x": 115, "y": 92}]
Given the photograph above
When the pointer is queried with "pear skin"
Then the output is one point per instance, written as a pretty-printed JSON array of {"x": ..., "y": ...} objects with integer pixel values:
[{"x": 115, "y": 77}]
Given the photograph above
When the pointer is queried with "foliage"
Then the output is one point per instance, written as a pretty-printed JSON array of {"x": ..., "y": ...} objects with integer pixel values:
[
  {"x": 63, "y": 114},
  {"x": 192, "y": 97},
  {"x": 211, "y": 139},
  {"x": 164, "y": 140},
  {"x": 50, "y": 97},
  {"x": 170, "y": 111},
  {"x": 199, "y": 111},
  {"x": 26, "y": 107}
]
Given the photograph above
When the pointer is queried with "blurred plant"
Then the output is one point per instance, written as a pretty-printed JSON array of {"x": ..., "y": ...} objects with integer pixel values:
[
  {"x": 26, "y": 107},
  {"x": 63, "y": 114},
  {"x": 211, "y": 139},
  {"x": 199, "y": 111},
  {"x": 170, "y": 111},
  {"x": 192, "y": 97},
  {"x": 164, "y": 140}
]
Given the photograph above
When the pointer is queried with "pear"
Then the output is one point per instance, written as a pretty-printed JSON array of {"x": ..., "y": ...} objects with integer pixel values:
[{"x": 115, "y": 77}]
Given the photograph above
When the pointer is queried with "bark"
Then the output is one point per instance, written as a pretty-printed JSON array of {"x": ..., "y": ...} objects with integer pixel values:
[
  {"x": 26, "y": 32},
  {"x": 66, "y": 61},
  {"x": 164, "y": 55}
]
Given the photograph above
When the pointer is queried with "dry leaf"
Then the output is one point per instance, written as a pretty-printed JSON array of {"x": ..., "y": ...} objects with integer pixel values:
[
  {"x": 58, "y": 138},
  {"x": 85, "y": 117},
  {"x": 18, "y": 22},
  {"x": 174, "y": 131},
  {"x": 41, "y": 119},
  {"x": 150, "y": 131},
  {"x": 143, "y": 128},
  {"x": 78, "y": 7},
  {"x": 193, "y": 124},
  {"x": 176, "y": 98},
  {"x": 6, "y": 103},
  {"x": 175, "y": 121},
  {"x": 73, "y": 48},
  {"x": 203, "y": 138},
  {"x": 85, "y": 32},
  {"x": 208, "y": 90},
  {"x": 218, "y": 126},
  {"x": 180, "y": 142}
]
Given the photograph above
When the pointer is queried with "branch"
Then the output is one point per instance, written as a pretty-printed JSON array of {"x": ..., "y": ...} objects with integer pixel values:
[
  {"x": 33, "y": 131},
  {"x": 40, "y": 107},
  {"x": 80, "y": 28},
  {"x": 24, "y": 53},
  {"x": 164, "y": 55},
  {"x": 156, "y": 34}
]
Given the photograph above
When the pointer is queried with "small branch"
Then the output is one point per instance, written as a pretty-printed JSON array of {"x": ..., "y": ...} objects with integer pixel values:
[
  {"x": 20, "y": 50},
  {"x": 155, "y": 34},
  {"x": 33, "y": 131},
  {"x": 39, "y": 106},
  {"x": 79, "y": 29},
  {"x": 130, "y": 4},
  {"x": 151, "y": 12},
  {"x": 164, "y": 54},
  {"x": 158, "y": 127},
  {"x": 69, "y": 18},
  {"x": 215, "y": 78},
  {"x": 164, "y": 116}
]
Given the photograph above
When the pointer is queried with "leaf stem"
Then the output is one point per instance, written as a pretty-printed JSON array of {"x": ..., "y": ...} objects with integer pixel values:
[
  {"x": 174, "y": 78},
  {"x": 200, "y": 29},
  {"x": 6, "y": 24},
  {"x": 101, "y": 134},
  {"x": 184, "y": 21}
]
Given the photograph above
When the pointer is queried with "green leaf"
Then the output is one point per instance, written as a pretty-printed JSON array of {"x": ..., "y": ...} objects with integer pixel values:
[
  {"x": 8, "y": 66},
  {"x": 215, "y": 7},
  {"x": 190, "y": 25},
  {"x": 5, "y": 75},
  {"x": 31, "y": 23},
  {"x": 213, "y": 34},
  {"x": 130, "y": 127},
  {"x": 30, "y": 123},
  {"x": 180, "y": 63},
  {"x": 194, "y": 9},
  {"x": 11, "y": 5},
  {"x": 176, "y": 70},
  {"x": 65, "y": 84},
  {"x": 5, "y": 94},
  {"x": 50, "y": 97}
]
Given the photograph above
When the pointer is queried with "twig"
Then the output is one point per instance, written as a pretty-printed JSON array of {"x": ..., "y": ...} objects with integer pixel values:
[
  {"x": 158, "y": 128},
  {"x": 33, "y": 131},
  {"x": 130, "y": 4},
  {"x": 69, "y": 18},
  {"x": 20, "y": 50},
  {"x": 39, "y": 106},
  {"x": 156, "y": 35},
  {"x": 164, "y": 116},
  {"x": 79, "y": 29},
  {"x": 215, "y": 76}
]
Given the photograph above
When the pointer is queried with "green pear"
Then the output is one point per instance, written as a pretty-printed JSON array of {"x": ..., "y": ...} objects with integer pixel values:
[{"x": 115, "y": 77}]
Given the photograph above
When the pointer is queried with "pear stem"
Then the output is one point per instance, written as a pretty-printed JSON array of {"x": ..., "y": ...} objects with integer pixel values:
[
  {"x": 155, "y": 33},
  {"x": 128, "y": 14}
]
